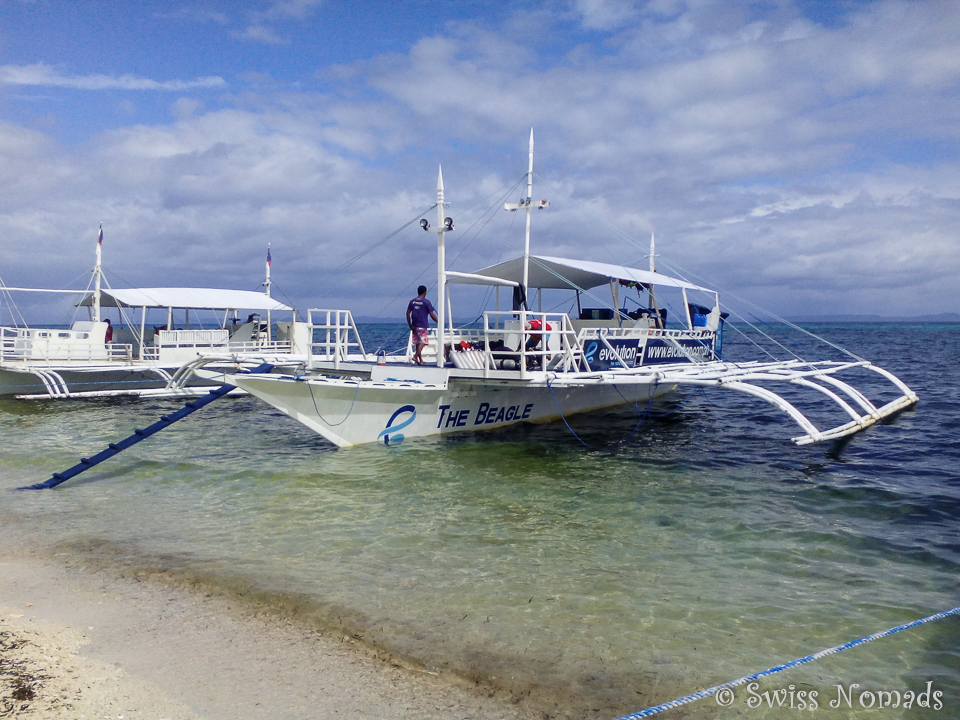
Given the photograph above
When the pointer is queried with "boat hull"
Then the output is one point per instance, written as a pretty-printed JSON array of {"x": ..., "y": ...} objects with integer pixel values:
[
  {"x": 353, "y": 412},
  {"x": 35, "y": 380},
  {"x": 64, "y": 381}
]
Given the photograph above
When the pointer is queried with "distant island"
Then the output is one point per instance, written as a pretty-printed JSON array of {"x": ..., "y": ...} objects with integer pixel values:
[
  {"x": 938, "y": 318},
  {"x": 393, "y": 320}
]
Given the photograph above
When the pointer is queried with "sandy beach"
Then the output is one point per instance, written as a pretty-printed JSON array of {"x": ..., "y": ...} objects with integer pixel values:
[{"x": 80, "y": 643}]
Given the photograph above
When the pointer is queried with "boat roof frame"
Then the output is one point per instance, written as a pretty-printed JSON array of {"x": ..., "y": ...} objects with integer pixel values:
[
  {"x": 558, "y": 273},
  {"x": 192, "y": 298}
]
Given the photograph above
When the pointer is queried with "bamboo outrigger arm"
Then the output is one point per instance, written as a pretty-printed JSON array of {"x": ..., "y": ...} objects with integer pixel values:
[
  {"x": 739, "y": 378},
  {"x": 742, "y": 377}
]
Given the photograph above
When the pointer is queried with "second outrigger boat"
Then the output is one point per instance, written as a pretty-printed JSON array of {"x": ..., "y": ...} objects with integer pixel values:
[
  {"x": 525, "y": 365},
  {"x": 92, "y": 358}
]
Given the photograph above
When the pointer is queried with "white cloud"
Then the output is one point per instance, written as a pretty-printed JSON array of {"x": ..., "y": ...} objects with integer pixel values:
[
  {"x": 765, "y": 156},
  {"x": 604, "y": 14},
  {"x": 44, "y": 75},
  {"x": 197, "y": 13},
  {"x": 261, "y": 33},
  {"x": 260, "y": 28},
  {"x": 184, "y": 108},
  {"x": 296, "y": 9}
]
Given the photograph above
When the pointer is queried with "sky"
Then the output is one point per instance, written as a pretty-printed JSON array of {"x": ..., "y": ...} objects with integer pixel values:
[{"x": 801, "y": 155}]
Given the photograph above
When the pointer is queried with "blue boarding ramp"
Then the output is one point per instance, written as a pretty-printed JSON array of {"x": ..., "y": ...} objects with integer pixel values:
[{"x": 164, "y": 422}]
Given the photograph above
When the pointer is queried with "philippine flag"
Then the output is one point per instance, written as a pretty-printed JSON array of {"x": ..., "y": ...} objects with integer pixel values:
[
  {"x": 100, "y": 236},
  {"x": 269, "y": 259}
]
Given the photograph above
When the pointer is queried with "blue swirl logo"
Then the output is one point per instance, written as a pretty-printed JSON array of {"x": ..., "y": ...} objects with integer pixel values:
[
  {"x": 590, "y": 352},
  {"x": 392, "y": 429}
]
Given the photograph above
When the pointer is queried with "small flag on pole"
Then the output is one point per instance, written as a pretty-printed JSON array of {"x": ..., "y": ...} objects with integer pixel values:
[
  {"x": 269, "y": 259},
  {"x": 100, "y": 236}
]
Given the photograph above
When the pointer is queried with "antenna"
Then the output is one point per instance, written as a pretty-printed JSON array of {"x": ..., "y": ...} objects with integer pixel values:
[{"x": 526, "y": 203}]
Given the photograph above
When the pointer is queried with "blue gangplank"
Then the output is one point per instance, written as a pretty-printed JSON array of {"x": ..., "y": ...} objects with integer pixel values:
[{"x": 164, "y": 422}]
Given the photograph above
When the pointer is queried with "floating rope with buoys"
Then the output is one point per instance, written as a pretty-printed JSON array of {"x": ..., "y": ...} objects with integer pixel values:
[{"x": 728, "y": 686}]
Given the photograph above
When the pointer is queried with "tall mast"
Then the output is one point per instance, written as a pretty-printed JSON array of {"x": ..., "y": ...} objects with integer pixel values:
[
  {"x": 651, "y": 297},
  {"x": 97, "y": 272},
  {"x": 526, "y": 240},
  {"x": 653, "y": 268},
  {"x": 528, "y": 204},
  {"x": 441, "y": 268},
  {"x": 266, "y": 285}
]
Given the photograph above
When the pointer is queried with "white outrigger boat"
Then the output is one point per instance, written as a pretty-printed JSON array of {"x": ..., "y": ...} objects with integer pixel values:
[
  {"x": 533, "y": 366},
  {"x": 141, "y": 358}
]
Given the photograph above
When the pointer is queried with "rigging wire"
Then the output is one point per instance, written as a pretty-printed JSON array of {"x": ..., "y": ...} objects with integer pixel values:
[
  {"x": 492, "y": 214},
  {"x": 14, "y": 308},
  {"x": 586, "y": 292},
  {"x": 131, "y": 324},
  {"x": 758, "y": 345},
  {"x": 273, "y": 284},
  {"x": 676, "y": 269},
  {"x": 415, "y": 282},
  {"x": 343, "y": 266},
  {"x": 69, "y": 316},
  {"x": 680, "y": 272},
  {"x": 743, "y": 318}
]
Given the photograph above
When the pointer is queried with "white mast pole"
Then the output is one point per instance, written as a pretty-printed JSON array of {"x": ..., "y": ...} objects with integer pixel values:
[
  {"x": 526, "y": 241},
  {"x": 266, "y": 285},
  {"x": 96, "y": 277},
  {"x": 143, "y": 327},
  {"x": 441, "y": 269},
  {"x": 651, "y": 300},
  {"x": 651, "y": 297}
]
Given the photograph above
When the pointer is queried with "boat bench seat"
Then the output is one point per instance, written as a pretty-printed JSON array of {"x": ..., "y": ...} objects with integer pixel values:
[{"x": 468, "y": 359}]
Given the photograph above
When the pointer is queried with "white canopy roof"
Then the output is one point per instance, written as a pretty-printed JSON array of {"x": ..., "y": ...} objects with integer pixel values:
[
  {"x": 561, "y": 273},
  {"x": 196, "y": 298}
]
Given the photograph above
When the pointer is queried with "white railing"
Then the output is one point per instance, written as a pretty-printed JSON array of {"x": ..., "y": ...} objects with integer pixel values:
[
  {"x": 338, "y": 333},
  {"x": 514, "y": 340},
  {"x": 119, "y": 351},
  {"x": 282, "y": 347},
  {"x": 8, "y": 338},
  {"x": 49, "y": 344},
  {"x": 191, "y": 338},
  {"x": 173, "y": 345},
  {"x": 177, "y": 346},
  {"x": 553, "y": 345},
  {"x": 507, "y": 341},
  {"x": 629, "y": 346},
  {"x": 617, "y": 332}
]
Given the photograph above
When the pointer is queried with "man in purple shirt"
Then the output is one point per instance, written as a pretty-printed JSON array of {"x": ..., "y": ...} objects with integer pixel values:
[{"x": 418, "y": 311}]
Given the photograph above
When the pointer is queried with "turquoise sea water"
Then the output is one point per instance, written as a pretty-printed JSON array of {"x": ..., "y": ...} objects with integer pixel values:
[{"x": 589, "y": 583}]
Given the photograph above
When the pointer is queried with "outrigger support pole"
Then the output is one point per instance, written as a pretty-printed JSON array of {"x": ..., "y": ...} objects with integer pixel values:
[
  {"x": 164, "y": 422},
  {"x": 441, "y": 271}
]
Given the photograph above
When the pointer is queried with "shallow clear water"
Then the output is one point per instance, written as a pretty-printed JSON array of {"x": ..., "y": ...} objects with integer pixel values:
[{"x": 598, "y": 582}]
